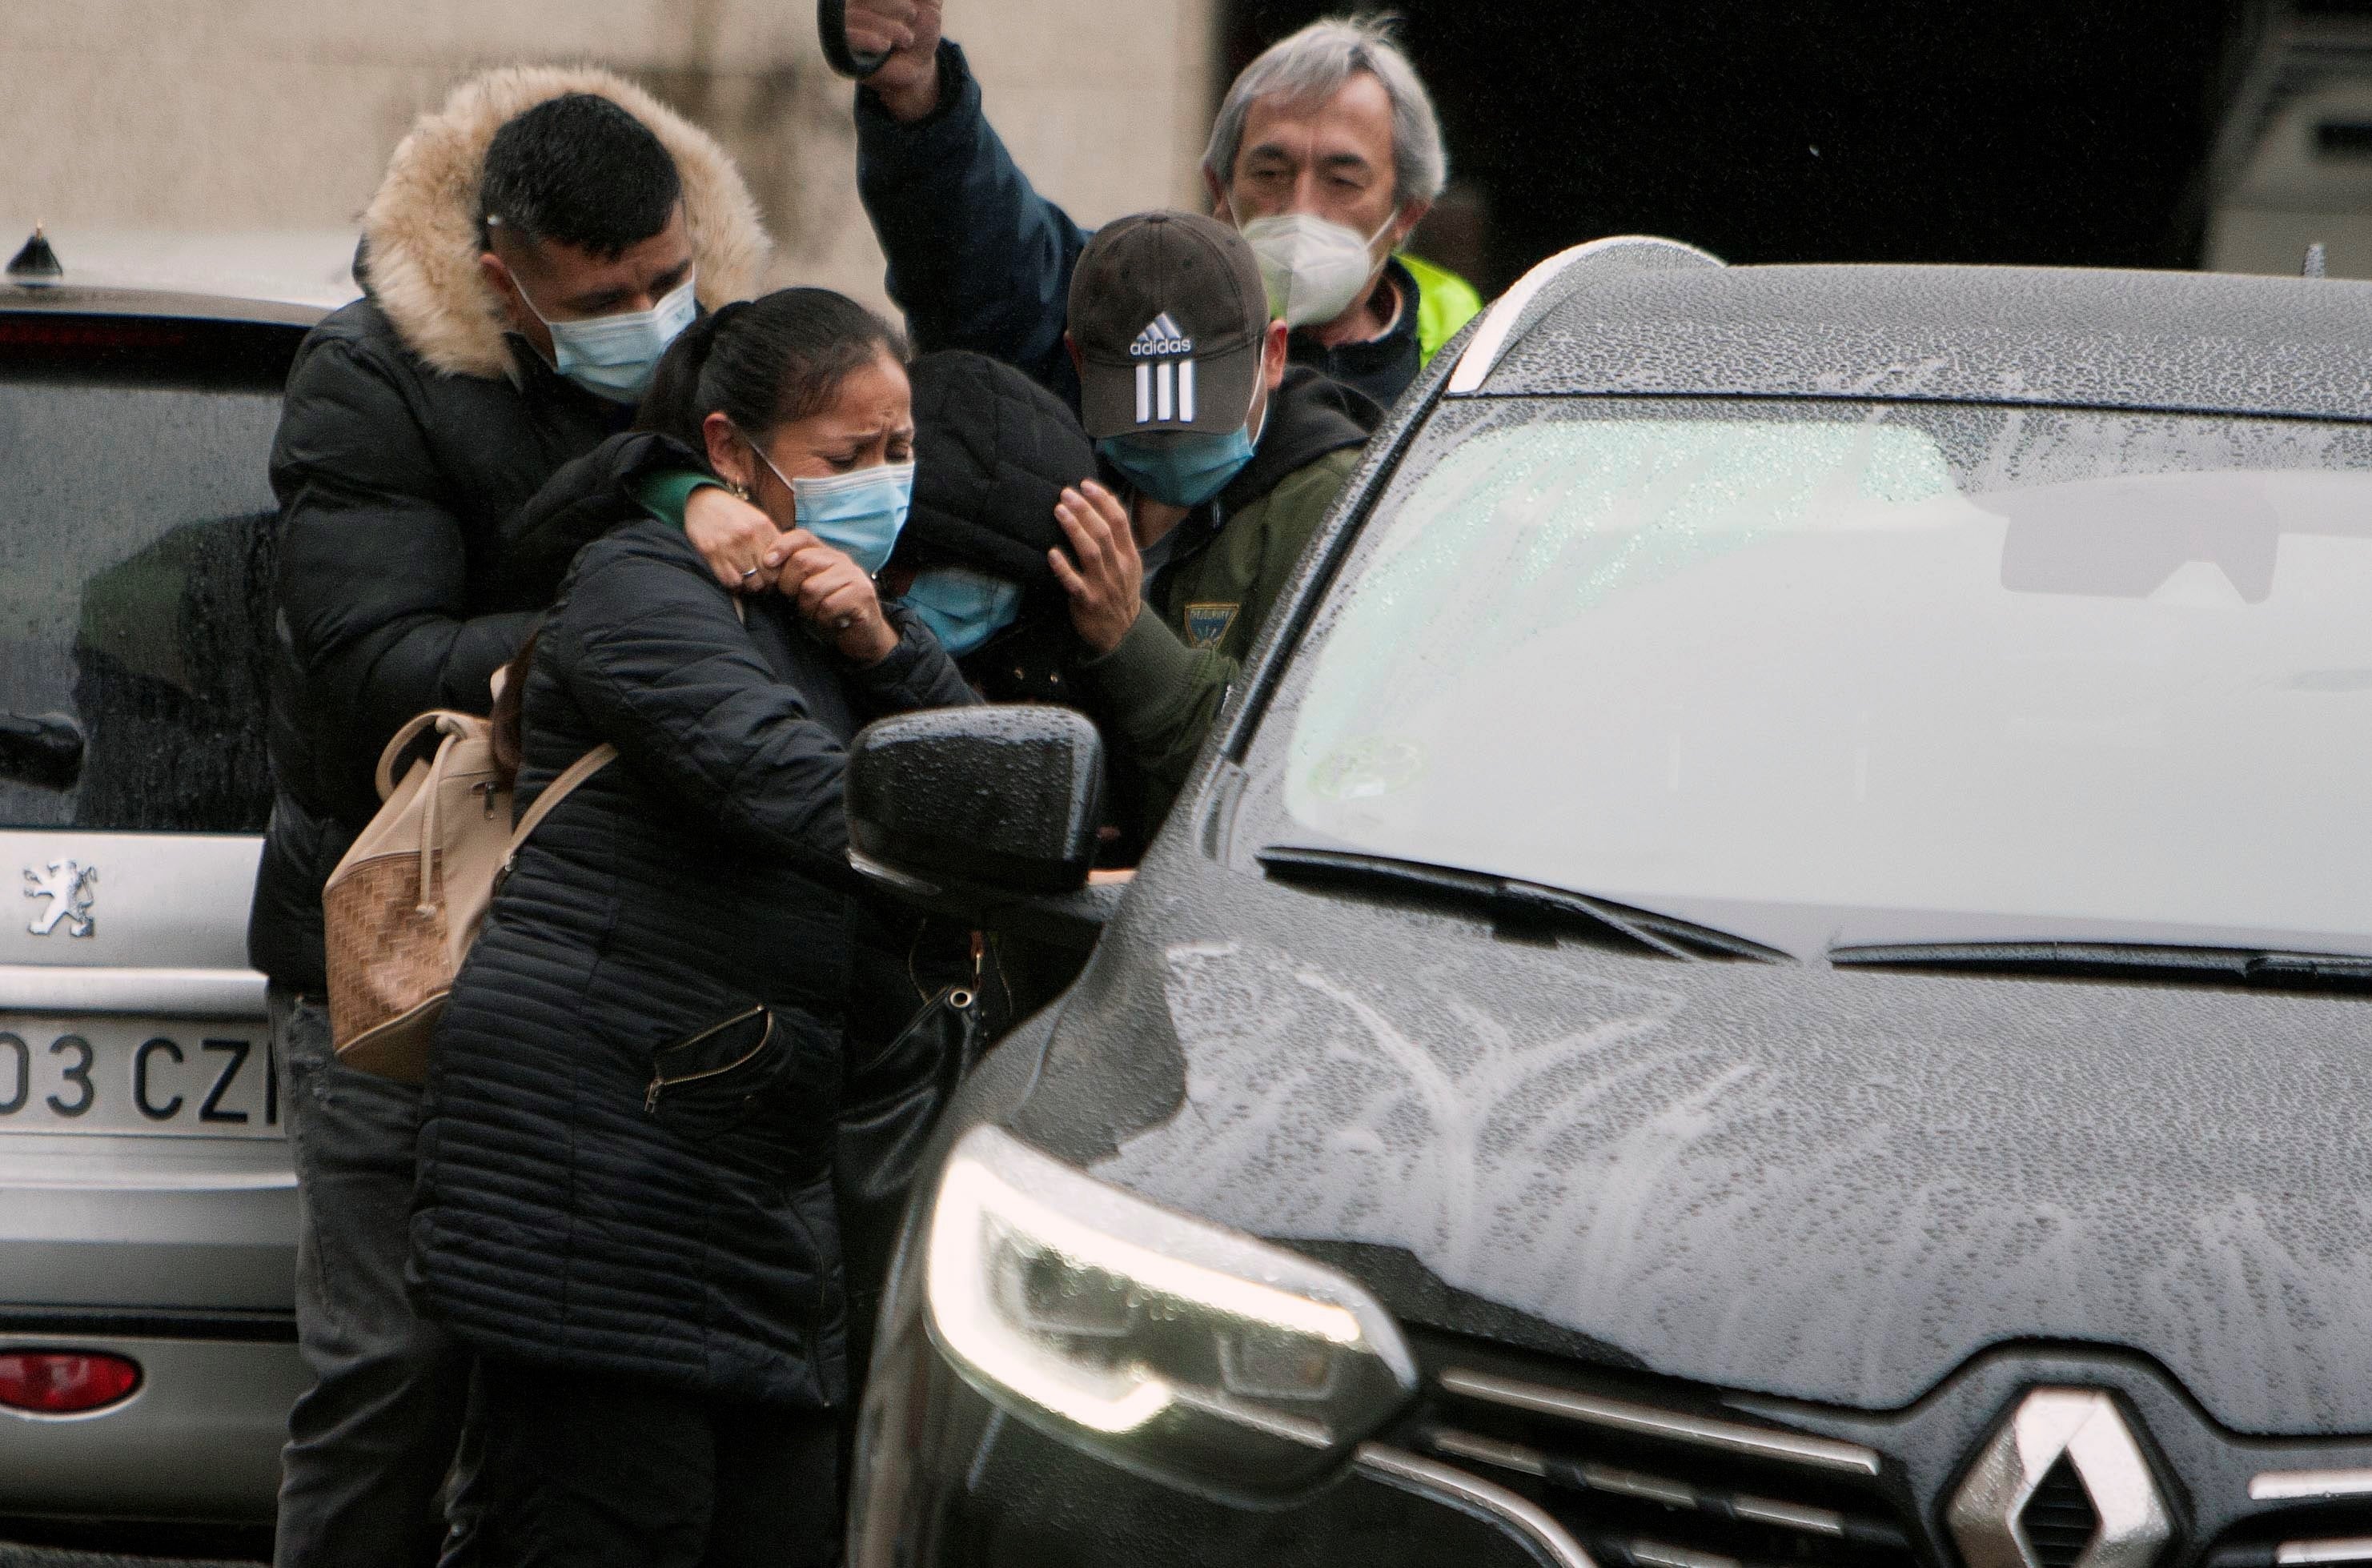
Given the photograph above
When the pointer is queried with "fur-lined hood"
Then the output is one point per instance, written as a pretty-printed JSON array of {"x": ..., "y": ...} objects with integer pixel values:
[{"x": 421, "y": 231}]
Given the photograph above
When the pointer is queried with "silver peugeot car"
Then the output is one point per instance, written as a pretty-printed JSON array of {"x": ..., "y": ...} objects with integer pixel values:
[{"x": 147, "y": 1211}]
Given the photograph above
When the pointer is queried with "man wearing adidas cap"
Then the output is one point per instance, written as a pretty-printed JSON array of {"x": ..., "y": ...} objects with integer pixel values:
[{"x": 1230, "y": 459}]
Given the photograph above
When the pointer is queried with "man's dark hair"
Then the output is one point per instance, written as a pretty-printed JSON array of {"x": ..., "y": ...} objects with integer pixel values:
[{"x": 580, "y": 170}]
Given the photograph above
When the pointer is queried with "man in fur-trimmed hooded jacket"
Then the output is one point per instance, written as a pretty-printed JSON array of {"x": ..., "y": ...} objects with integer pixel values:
[{"x": 535, "y": 245}]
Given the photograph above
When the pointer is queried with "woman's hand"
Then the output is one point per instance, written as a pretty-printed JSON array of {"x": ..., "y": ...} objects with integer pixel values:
[
  {"x": 733, "y": 536},
  {"x": 833, "y": 593},
  {"x": 1107, "y": 588}
]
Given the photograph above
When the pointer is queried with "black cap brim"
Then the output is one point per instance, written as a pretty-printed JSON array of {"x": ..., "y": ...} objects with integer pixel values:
[{"x": 1205, "y": 394}]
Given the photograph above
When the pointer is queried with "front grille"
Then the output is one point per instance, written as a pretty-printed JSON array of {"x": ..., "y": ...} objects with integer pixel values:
[
  {"x": 1645, "y": 1481},
  {"x": 2059, "y": 1519},
  {"x": 2309, "y": 1532}
]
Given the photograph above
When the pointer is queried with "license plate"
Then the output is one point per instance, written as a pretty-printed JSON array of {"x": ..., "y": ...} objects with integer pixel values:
[{"x": 206, "y": 1079}]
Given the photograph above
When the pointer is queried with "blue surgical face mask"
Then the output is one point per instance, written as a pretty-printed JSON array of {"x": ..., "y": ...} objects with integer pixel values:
[
  {"x": 963, "y": 607},
  {"x": 859, "y": 513},
  {"x": 1184, "y": 471},
  {"x": 615, "y": 356}
]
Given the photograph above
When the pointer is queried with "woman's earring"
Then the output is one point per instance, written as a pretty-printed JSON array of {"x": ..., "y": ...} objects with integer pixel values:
[{"x": 738, "y": 491}]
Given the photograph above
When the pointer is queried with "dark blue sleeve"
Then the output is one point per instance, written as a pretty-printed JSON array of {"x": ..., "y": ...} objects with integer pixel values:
[{"x": 978, "y": 260}]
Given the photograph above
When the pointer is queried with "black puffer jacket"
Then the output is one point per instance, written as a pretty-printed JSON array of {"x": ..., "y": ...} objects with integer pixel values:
[
  {"x": 395, "y": 486},
  {"x": 413, "y": 432},
  {"x": 564, "y": 1217}
]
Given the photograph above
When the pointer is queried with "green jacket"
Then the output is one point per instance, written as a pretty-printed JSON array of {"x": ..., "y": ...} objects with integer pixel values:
[
  {"x": 665, "y": 493},
  {"x": 1161, "y": 688}
]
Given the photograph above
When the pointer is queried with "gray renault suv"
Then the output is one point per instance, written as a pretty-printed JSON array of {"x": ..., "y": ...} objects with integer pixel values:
[
  {"x": 147, "y": 1212},
  {"x": 1772, "y": 965}
]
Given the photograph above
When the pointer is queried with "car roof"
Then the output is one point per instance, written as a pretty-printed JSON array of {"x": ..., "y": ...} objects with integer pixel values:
[
  {"x": 286, "y": 277},
  {"x": 2187, "y": 342}
]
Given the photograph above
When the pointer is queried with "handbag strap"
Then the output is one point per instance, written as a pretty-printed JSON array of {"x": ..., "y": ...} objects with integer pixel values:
[
  {"x": 429, "y": 842},
  {"x": 420, "y": 726},
  {"x": 555, "y": 791}
]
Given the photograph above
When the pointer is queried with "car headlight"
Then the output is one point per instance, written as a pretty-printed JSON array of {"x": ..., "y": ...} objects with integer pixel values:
[{"x": 1167, "y": 1344}]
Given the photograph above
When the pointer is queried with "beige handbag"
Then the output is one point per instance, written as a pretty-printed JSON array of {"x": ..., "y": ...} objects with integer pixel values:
[{"x": 406, "y": 902}]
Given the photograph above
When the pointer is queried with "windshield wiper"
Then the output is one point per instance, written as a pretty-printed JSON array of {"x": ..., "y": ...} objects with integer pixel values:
[
  {"x": 1515, "y": 902},
  {"x": 2129, "y": 960}
]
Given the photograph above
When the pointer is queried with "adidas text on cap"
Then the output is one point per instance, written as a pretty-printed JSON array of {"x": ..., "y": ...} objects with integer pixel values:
[{"x": 1168, "y": 315}]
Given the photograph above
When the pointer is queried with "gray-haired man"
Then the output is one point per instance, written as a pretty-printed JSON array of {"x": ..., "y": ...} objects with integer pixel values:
[{"x": 1325, "y": 154}]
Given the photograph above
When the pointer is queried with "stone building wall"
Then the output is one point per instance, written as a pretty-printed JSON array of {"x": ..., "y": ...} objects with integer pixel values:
[{"x": 215, "y": 116}]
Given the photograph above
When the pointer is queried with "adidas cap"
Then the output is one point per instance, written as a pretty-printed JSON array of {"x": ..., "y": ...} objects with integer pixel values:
[{"x": 1169, "y": 314}]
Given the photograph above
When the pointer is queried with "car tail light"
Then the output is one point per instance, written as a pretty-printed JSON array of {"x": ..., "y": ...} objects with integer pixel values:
[
  {"x": 148, "y": 350},
  {"x": 89, "y": 332},
  {"x": 64, "y": 1382}
]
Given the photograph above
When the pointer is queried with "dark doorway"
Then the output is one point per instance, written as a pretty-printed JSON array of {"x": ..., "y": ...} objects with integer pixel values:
[{"x": 2021, "y": 131}]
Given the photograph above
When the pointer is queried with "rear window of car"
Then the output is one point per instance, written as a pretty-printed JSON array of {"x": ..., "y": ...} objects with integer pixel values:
[{"x": 135, "y": 569}]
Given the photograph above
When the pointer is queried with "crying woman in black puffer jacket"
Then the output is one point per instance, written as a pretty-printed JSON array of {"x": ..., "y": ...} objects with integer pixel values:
[{"x": 625, "y": 1164}]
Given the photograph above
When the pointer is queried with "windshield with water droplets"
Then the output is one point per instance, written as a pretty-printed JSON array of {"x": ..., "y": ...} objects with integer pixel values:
[{"x": 1829, "y": 671}]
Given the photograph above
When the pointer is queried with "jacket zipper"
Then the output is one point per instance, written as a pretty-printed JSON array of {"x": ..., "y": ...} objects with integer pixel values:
[{"x": 659, "y": 1080}]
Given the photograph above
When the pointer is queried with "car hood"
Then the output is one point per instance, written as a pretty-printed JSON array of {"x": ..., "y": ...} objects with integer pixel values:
[{"x": 1823, "y": 1184}]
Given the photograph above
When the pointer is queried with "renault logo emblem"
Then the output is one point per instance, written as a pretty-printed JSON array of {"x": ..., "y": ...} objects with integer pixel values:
[{"x": 2081, "y": 1427}]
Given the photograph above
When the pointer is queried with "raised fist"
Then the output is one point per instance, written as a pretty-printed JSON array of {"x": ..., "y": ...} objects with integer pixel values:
[{"x": 908, "y": 82}]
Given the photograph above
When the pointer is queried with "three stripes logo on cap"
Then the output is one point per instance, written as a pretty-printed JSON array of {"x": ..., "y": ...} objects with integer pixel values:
[{"x": 1165, "y": 385}]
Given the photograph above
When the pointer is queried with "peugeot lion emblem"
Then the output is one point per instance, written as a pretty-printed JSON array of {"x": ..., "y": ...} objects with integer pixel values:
[
  {"x": 70, "y": 885},
  {"x": 2082, "y": 1428}
]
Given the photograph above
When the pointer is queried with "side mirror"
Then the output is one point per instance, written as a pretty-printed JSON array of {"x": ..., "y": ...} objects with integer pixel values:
[{"x": 988, "y": 814}]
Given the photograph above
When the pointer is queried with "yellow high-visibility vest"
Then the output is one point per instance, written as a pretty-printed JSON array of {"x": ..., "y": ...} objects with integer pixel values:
[{"x": 1445, "y": 303}]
